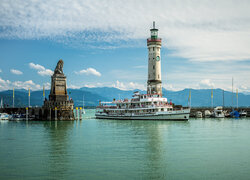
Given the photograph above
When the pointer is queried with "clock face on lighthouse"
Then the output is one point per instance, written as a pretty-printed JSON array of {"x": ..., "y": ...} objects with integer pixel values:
[{"x": 158, "y": 58}]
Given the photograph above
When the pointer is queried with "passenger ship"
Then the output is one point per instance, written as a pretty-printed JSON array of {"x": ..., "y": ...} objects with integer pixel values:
[
  {"x": 141, "y": 107},
  {"x": 150, "y": 106}
]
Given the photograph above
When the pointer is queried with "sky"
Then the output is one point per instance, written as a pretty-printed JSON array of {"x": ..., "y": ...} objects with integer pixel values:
[{"x": 103, "y": 43}]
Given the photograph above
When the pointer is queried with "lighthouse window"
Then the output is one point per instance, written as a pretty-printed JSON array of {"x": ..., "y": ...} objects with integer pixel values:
[
  {"x": 153, "y": 48},
  {"x": 158, "y": 76},
  {"x": 153, "y": 67}
]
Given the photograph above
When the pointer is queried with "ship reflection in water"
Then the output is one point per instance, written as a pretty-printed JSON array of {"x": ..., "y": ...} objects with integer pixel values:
[{"x": 121, "y": 149}]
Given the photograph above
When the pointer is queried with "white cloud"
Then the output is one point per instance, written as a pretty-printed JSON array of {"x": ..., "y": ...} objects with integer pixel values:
[
  {"x": 128, "y": 86},
  {"x": 26, "y": 85},
  {"x": 170, "y": 87},
  {"x": 47, "y": 85},
  {"x": 98, "y": 84},
  {"x": 41, "y": 70},
  {"x": 37, "y": 66},
  {"x": 192, "y": 75},
  {"x": 73, "y": 87},
  {"x": 90, "y": 85},
  {"x": 117, "y": 84},
  {"x": 206, "y": 84},
  {"x": 197, "y": 30},
  {"x": 6, "y": 85},
  {"x": 15, "y": 71},
  {"x": 46, "y": 72},
  {"x": 89, "y": 71}
]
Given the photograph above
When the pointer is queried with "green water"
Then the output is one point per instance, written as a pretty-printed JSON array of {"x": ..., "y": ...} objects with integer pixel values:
[{"x": 109, "y": 149}]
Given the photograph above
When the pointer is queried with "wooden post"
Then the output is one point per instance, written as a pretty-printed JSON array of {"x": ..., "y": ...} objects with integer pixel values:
[
  {"x": 50, "y": 114},
  {"x": 27, "y": 113},
  {"x": 80, "y": 113},
  {"x": 55, "y": 113},
  {"x": 77, "y": 113}
]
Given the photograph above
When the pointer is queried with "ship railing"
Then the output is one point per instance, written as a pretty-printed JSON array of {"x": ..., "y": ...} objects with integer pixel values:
[
  {"x": 104, "y": 107},
  {"x": 135, "y": 107},
  {"x": 131, "y": 114},
  {"x": 181, "y": 108}
]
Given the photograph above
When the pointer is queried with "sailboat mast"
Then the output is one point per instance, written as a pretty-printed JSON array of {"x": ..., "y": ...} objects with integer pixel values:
[
  {"x": 223, "y": 99},
  {"x": 232, "y": 92},
  {"x": 82, "y": 101}
]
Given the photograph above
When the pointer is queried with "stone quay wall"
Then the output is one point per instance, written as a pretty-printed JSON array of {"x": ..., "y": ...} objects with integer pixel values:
[{"x": 41, "y": 113}]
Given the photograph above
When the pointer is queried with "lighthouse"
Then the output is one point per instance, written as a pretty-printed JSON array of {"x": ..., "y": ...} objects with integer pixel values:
[{"x": 154, "y": 63}]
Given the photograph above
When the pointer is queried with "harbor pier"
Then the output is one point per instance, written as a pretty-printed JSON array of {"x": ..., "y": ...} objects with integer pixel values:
[
  {"x": 39, "y": 113},
  {"x": 228, "y": 109}
]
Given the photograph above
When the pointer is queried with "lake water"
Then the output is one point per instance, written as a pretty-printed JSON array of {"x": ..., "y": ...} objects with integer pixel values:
[{"x": 110, "y": 149}]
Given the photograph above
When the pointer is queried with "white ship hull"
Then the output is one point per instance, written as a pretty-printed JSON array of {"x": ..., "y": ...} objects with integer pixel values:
[{"x": 181, "y": 115}]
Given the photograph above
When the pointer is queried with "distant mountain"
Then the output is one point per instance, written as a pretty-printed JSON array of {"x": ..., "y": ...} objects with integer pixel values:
[
  {"x": 202, "y": 97},
  {"x": 110, "y": 92},
  {"x": 90, "y": 98},
  {"x": 36, "y": 97},
  {"x": 199, "y": 97}
]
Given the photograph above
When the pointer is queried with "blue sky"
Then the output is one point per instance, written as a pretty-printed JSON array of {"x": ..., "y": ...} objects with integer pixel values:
[{"x": 103, "y": 43}]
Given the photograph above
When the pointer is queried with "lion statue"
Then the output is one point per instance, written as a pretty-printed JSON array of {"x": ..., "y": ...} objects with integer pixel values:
[{"x": 59, "y": 67}]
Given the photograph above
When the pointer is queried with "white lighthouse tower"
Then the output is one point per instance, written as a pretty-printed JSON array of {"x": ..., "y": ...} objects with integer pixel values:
[{"x": 154, "y": 63}]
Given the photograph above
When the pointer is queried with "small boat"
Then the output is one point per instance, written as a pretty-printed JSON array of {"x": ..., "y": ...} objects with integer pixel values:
[
  {"x": 218, "y": 112},
  {"x": 207, "y": 113},
  {"x": 235, "y": 114},
  {"x": 243, "y": 113},
  {"x": 18, "y": 117},
  {"x": 226, "y": 113},
  {"x": 198, "y": 114},
  {"x": 4, "y": 116}
]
